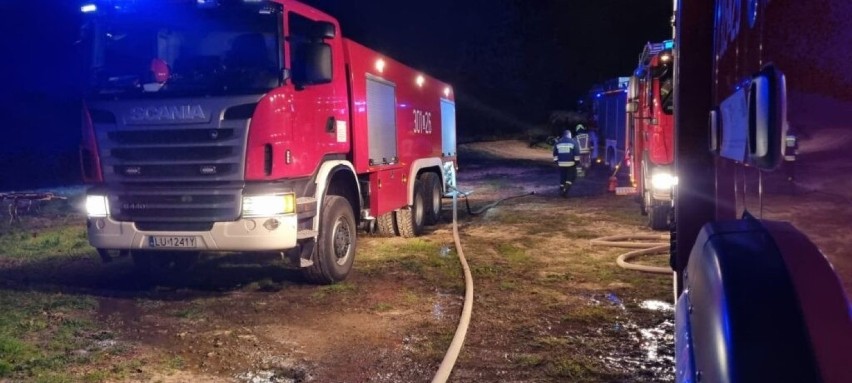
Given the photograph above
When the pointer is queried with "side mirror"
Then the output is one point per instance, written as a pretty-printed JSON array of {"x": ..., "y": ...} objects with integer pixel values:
[
  {"x": 632, "y": 106},
  {"x": 324, "y": 30},
  {"x": 312, "y": 64}
]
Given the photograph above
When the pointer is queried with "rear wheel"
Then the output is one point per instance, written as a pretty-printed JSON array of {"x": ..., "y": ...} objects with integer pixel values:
[
  {"x": 336, "y": 243},
  {"x": 386, "y": 225},
  {"x": 409, "y": 220},
  {"x": 433, "y": 193}
]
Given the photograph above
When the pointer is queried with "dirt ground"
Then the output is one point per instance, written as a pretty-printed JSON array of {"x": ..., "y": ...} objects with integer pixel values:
[{"x": 548, "y": 306}]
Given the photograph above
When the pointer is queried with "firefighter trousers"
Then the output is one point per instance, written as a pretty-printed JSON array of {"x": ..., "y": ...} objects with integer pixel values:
[{"x": 567, "y": 175}]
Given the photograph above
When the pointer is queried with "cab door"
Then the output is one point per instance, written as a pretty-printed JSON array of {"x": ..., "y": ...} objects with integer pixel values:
[{"x": 314, "y": 50}]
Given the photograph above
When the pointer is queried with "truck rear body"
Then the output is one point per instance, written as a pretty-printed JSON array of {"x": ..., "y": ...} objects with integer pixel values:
[
  {"x": 761, "y": 245},
  {"x": 608, "y": 101}
]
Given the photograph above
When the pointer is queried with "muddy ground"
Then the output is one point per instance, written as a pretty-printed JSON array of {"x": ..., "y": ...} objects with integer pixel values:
[{"x": 548, "y": 306}]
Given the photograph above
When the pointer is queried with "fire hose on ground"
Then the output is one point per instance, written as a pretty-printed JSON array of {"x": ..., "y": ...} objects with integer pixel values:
[
  {"x": 453, "y": 351},
  {"x": 640, "y": 242}
]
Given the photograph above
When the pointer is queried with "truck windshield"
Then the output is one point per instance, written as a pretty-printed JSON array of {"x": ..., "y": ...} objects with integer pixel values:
[{"x": 183, "y": 51}]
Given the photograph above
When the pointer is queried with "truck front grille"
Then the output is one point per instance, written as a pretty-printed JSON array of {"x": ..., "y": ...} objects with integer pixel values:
[
  {"x": 165, "y": 168},
  {"x": 164, "y": 205},
  {"x": 204, "y": 147}
]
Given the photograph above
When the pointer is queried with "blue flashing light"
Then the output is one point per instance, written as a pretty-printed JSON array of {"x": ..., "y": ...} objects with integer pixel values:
[
  {"x": 669, "y": 44},
  {"x": 598, "y": 95},
  {"x": 89, "y": 8}
]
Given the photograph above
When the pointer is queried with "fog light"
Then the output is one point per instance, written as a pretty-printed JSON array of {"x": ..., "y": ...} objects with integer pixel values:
[{"x": 271, "y": 224}]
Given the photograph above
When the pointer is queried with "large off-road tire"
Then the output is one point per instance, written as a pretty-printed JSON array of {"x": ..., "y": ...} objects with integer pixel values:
[
  {"x": 386, "y": 225},
  {"x": 658, "y": 217},
  {"x": 410, "y": 220},
  {"x": 432, "y": 195},
  {"x": 336, "y": 243}
]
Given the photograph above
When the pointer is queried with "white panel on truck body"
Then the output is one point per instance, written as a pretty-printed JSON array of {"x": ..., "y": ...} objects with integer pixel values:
[
  {"x": 448, "y": 127},
  {"x": 381, "y": 121}
]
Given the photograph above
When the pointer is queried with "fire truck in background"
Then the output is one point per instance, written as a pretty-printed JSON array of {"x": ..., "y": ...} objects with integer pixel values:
[
  {"x": 254, "y": 125},
  {"x": 606, "y": 108},
  {"x": 761, "y": 244},
  {"x": 650, "y": 122}
]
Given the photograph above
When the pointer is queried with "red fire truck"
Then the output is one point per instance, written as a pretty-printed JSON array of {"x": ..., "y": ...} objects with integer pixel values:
[
  {"x": 650, "y": 122},
  {"x": 254, "y": 125},
  {"x": 762, "y": 246}
]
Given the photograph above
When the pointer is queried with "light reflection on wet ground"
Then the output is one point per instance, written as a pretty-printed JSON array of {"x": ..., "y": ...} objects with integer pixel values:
[{"x": 646, "y": 351}]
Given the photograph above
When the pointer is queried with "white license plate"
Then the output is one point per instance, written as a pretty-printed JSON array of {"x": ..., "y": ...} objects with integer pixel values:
[{"x": 173, "y": 242}]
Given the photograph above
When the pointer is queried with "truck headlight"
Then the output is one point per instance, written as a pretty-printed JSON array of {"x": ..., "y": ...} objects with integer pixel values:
[
  {"x": 663, "y": 181},
  {"x": 97, "y": 206},
  {"x": 268, "y": 205}
]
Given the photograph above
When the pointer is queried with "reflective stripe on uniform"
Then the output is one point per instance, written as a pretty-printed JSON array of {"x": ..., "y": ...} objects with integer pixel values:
[
  {"x": 566, "y": 163},
  {"x": 564, "y": 148}
]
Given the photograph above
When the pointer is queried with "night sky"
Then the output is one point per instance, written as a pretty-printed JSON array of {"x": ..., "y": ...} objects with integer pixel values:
[{"x": 511, "y": 62}]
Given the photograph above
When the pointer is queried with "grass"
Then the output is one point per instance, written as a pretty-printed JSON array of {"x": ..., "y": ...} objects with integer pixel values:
[
  {"x": 21, "y": 243},
  {"x": 40, "y": 332},
  {"x": 334, "y": 290}
]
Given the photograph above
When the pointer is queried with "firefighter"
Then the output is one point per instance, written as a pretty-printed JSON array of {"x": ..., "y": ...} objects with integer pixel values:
[
  {"x": 566, "y": 154},
  {"x": 581, "y": 136}
]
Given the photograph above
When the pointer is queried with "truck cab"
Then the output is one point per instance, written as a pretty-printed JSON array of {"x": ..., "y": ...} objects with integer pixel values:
[{"x": 650, "y": 124}]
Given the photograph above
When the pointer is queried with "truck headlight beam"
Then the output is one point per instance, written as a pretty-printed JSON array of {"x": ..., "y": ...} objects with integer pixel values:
[
  {"x": 269, "y": 205},
  {"x": 663, "y": 181},
  {"x": 97, "y": 206}
]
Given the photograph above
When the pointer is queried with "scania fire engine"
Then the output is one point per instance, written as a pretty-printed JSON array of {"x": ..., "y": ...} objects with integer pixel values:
[
  {"x": 253, "y": 125},
  {"x": 650, "y": 122}
]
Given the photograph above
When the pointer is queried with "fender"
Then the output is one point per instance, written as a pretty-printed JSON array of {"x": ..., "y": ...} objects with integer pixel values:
[
  {"x": 416, "y": 166},
  {"x": 324, "y": 174}
]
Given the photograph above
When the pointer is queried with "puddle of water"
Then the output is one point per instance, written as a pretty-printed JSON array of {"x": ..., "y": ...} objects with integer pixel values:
[
  {"x": 655, "y": 305},
  {"x": 654, "y": 351},
  {"x": 438, "y": 310},
  {"x": 286, "y": 375},
  {"x": 615, "y": 300}
]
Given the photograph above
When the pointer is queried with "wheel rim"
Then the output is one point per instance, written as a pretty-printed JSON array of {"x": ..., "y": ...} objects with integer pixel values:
[{"x": 342, "y": 241}]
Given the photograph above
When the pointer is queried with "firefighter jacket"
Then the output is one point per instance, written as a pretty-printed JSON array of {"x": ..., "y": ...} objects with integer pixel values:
[{"x": 566, "y": 152}]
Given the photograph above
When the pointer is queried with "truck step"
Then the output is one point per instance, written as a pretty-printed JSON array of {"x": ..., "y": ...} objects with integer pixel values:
[
  {"x": 306, "y": 207},
  {"x": 306, "y": 234}
]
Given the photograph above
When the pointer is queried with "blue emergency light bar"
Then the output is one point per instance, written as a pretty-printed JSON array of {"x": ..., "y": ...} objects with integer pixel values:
[{"x": 89, "y": 8}]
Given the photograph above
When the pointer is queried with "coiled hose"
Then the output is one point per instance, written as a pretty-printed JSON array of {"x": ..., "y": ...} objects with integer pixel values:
[{"x": 637, "y": 241}]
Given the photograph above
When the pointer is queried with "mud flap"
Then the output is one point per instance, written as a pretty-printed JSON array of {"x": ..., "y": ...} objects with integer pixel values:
[
  {"x": 743, "y": 320},
  {"x": 302, "y": 254}
]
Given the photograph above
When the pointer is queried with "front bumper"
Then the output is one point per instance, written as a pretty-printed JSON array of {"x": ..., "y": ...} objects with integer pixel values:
[
  {"x": 246, "y": 234},
  {"x": 661, "y": 194}
]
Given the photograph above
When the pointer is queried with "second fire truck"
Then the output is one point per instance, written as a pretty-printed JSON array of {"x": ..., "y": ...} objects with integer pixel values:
[{"x": 650, "y": 123}]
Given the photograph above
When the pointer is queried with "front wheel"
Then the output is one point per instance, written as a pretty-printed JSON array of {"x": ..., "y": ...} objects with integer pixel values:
[
  {"x": 336, "y": 243},
  {"x": 658, "y": 217}
]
